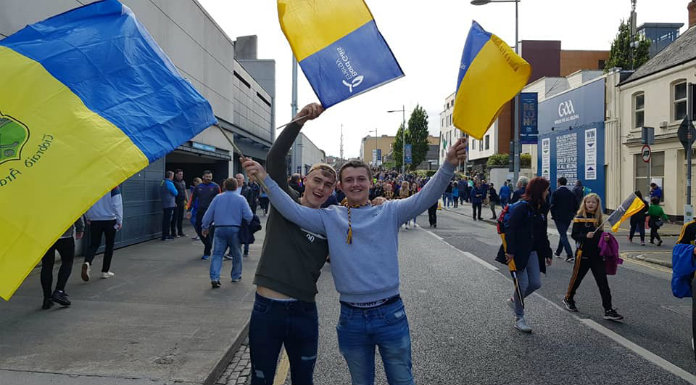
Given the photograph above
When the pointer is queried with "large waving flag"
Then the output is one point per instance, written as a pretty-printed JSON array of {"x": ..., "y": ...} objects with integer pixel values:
[
  {"x": 490, "y": 75},
  {"x": 630, "y": 206},
  {"x": 338, "y": 47},
  {"x": 88, "y": 99}
]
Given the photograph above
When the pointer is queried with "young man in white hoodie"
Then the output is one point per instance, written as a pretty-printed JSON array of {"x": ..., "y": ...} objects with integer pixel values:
[{"x": 104, "y": 217}]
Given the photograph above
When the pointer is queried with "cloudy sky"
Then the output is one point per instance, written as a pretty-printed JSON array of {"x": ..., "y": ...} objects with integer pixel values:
[{"x": 427, "y": 38}]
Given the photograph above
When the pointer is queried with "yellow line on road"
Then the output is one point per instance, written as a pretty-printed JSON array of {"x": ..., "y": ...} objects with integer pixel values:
[
  {"x": 648, "y": 265},
  {"x": 283, "y": 367}
]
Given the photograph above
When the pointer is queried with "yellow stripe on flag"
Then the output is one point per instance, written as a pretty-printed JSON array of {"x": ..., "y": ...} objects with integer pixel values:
[
  {"x": 494, "y": 77},
  {"x": 635, "y": 207},
  {"x": 63, "y": 135},
  {"x": 311, "y": 25}
]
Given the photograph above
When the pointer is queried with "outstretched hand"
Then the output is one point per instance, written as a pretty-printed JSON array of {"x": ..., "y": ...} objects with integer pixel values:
[
  {"x": 457, "y": 152},
  {"x": 308, "y": 112},
  {"x": 253, "y": 168}
]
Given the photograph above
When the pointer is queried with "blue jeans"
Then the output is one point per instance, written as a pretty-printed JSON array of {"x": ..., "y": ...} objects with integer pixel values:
[
  {"x": 224, "y": 237},
  {"x": 563, "y": 242},
  {"x": 293, "y": 324},
  {"x": 386, "y": 326},
  {"x": 529, "y": 281}
]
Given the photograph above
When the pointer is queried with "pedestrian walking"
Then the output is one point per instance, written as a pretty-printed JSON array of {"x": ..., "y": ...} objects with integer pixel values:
[
  {"x": 528, "y": 245},
  {"x": 105, "y": 218},
  {"x": 65, "y": 245},
  {"x": 564, "y": 206},
  {"x": 168, "y": 194},
  {"x": 263, "y": 201},
  {"x": 521, "y": 188},
  {"x": 178, "y": 218},
  {"x": 432, "y": 215},
  {"x": 364, "y": 262},
  {"x": 192, "y": 206},
  {"x": 477, "y": 194},
  {"x": 204, "y": 193},
  {"x": 657, "y": 218},
  {"x": 587, "y": 231},
  {"x": 455, "y": 194},
  {"x": 493, "y": 200},
  {"x": 505, "y": 193},
  {"x": 285, "y": 311},
  {"x": 226, "y": 211},
  {"x": 405, "y": 192},
  {"x": 463, "y": 190},
  {"x": 244, "y": 189},
  {"x": 448, "y": 195},
  {"x": 638, "y": 221}
]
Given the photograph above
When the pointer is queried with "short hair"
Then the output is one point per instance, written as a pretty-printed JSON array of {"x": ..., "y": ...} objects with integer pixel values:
[
  {"x": 655, "y": 200},
  {"x": 354, "y": 164},
  {"x": 207, "y": 172},
  {"x": 178, "y": 170},
  {"x": 230, "y": 184},
  {"x": 169, "y": 174},
  {"x": 534, "y": 193},
  {"x": 562, "y": 181},
  {"x": 523, "y": 181},
  {"x": 653, "y": 184},
  {"x": 325, "y": 169}
]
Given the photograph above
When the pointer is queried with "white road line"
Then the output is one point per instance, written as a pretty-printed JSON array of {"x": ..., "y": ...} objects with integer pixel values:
[
  {"x": 465, "y": 253},
  {"x": 434, "y": 235},
  {"x": 646, "y": 354}
]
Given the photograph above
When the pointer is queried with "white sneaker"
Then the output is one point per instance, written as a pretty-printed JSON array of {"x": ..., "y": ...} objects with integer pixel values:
[
  {"x": 521, "y": 325},
  {"x": 107, "y": 274},
  {"x": 85, "y": 271}
]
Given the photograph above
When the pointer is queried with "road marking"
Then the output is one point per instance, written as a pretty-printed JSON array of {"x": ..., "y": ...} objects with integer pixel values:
[
  {"x": 282, "y": 371},
  {"x": 465, "y": 253},
  {"x": 649, "y": 265},
  {"x": 434, "y": 235},
  {"x": 646, "y": 354}
]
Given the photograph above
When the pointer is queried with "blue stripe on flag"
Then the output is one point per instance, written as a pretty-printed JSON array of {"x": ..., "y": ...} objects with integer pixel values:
[
  {"x": 350, "y": 66},
  {"x": 108, "y": 59},
  {"x": 476, "y": 39}
]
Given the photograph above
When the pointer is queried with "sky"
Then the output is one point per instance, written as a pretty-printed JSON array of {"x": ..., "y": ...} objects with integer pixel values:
[{"x": 427, "y": 38}]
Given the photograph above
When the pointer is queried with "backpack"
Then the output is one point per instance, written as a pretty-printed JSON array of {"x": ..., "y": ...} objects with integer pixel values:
[{"x": 503, "y": 221}]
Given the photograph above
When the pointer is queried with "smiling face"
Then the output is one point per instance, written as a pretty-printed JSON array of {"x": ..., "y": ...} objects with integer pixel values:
[
  {"x": 318, "y": 185},
  {"x": 591, "y": 205},
  {"x": 355, "y": 183}
]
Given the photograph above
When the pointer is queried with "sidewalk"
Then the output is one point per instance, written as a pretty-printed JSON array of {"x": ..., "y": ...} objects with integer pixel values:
[
  {"x": 662, "y": 257},
  {"x": 157, "y": 321}
]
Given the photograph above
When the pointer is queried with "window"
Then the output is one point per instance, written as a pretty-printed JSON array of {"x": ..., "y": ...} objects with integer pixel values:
[
  {"x": 480, "y": 145},
  {"x": 473, "y": 144},
  {"x": 657, "y": 171},
  {"x": 601, "y": 64},
  {"x": 679, "y": 100},
  {"x": 488, "y": 144},
  {"x": 638, "y": 110}
]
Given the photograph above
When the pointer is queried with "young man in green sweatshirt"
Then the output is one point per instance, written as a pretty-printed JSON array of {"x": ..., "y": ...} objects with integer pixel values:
[{"x": 285, "y": 313}]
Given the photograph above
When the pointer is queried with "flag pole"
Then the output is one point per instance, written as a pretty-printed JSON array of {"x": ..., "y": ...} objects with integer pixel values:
[{"x": 240, "y": 153}]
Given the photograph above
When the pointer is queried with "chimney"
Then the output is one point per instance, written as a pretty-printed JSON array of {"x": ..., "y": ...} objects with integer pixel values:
[{"x": 692, "y": 13}]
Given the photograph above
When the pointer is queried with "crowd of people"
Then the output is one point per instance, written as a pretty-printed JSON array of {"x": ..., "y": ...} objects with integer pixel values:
[{"x": 354, "y": 215}]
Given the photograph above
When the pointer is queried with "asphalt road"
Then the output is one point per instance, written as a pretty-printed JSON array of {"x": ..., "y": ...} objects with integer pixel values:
[{"x": 462, "y": 331}]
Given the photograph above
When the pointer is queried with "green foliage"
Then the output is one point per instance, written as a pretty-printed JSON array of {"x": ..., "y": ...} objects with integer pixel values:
[
  {"x": 622, "y": 54},
  {"x": 526, "y": 161},
  {"x": 418, "y": 135},
  {"x": 498, "y": 160},
  {"x": 397, "y": 147}
]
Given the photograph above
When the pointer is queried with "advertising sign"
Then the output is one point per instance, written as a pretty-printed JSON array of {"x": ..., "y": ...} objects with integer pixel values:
[
  {"x": 529, "y": 112},
  {"x": 407, "y": 154}
]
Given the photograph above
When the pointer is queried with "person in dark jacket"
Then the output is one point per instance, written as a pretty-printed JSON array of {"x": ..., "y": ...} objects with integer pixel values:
[
  {"x": 528, "y": 244},
  {"x": 587, "y": 230},
  {"x": 178, "y": 218},
  {"x": 638, "y": 221},
  {"x": 168, "y": 195},
  {"x": 564, "y": 205},
  {"x": 505, "y": 194},
  {"x": 65, "y": 245},
  {"x": 493, "y": 200},
  {"x": 477, "y": 194},
  {"x": 579, "y": 190},
  {"x": 521, "y": 188}
]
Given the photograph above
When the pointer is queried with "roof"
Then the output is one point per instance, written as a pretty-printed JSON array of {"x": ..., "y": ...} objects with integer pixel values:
[{"x": 680, "y": 51}]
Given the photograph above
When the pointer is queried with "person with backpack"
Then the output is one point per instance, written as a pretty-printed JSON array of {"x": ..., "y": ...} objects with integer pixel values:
[
  {"x": 587, "y": 231},
  {"x": 564, "y": 205},
  {"x": 528, "y": 244},
  {"x": 657, "y": 218},
  {"x": 638, "y": 221}
]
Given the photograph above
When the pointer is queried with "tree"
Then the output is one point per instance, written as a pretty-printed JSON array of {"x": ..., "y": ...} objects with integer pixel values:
[
  {"x": 623, "y": 55},
  {"x": 397, "y": 146},
  {"x": 418, "y": 136}
]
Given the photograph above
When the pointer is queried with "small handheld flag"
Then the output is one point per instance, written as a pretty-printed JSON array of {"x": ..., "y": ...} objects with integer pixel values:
[
  {"x": 338, "y": 47},
  {"x": 490, "y": 74},
  {"x": 630, "y": 206},
  {"x": 88, "y": 100}
]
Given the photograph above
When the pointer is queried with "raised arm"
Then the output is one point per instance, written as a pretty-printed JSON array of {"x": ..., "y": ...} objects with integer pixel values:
[
  {"x": 305, "y": 217},
  {"x": 416, "y": 204},
  {"x": 276, "y": 165}
]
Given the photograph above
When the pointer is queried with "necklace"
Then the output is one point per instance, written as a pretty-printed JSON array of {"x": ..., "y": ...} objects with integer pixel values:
[{"x": 344, "y": 202}]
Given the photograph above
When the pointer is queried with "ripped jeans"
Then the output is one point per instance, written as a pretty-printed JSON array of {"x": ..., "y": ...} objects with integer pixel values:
[
  {"x": 274, "y": 323},
  {"x": 360, "y": 331}
]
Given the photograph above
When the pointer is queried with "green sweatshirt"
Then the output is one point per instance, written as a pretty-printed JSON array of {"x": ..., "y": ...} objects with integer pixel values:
[
  {"x": 656, "y": 211},
  {"x": 291, "y": 258}
]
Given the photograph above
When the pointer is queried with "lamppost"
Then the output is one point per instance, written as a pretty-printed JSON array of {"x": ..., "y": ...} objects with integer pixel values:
[
  {"x": 516, "y": 138},
  {"x": 403, "y": 137},
  {"x": 376, "y": 158}
]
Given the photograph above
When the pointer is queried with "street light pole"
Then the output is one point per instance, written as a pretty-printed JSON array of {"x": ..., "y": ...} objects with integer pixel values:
[
  {"x": 403, "y": 137},
  {"x": 516, "y": 146}
]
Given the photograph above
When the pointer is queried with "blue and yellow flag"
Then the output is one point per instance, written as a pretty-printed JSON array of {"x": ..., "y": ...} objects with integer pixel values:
[
  {"x": 88, "y": 99},
  {"x": 338, "y": 47},
  {"x": 490, "y": 75}
]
